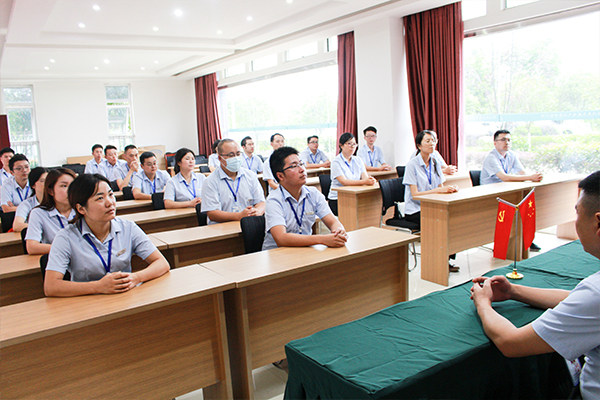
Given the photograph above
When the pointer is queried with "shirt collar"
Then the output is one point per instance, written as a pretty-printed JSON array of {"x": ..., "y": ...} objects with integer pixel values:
[
  {"x": 223, "y": 175},
  {"x": 500, "y": 155},
  {"x": 182, "y": 179},
  {"x": 114, "y": 229},
  {"x": 54, "y": 213},
  {"x": 286, "y": 195}
]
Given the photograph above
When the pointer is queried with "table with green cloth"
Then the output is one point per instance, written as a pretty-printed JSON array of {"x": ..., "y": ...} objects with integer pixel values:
[{"x": 435, "y": 346}]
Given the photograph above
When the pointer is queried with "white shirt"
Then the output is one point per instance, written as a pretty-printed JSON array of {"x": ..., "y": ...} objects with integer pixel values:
[
  {"x": 350, "y": 170},
  {"x": 371, "y": 158},
  {"x": 177, "y": 188},
  {"x": 11, "y": 191},
  {"x": 142, "y": 182},
  {"x": 44, "y": 225},
  {"x": 253, "y": 163}
]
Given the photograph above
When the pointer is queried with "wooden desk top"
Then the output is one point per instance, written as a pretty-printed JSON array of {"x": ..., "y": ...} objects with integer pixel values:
[
  {"x": 118, "y": 195},
  {"x": 357, "y": 189},
  {"x": 312, "y": 181},
  {"x": 19, "y": 265},
  {"x": 383, "y": 174},
  {"x": 160, "y": 245},
  {"x": 198, "y": 234},
  {"x": 262, "y": 266},
  {"x": 158, "y": 215},
  {"x": 10, "y": 238},
  {"x": 126, "y": 204},
  {"x": 43, "y": 317}
]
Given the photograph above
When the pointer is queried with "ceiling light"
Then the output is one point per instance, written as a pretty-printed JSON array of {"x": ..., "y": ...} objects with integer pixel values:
[
  {"x": 52, "y": 60},
  {"x": 81, "y": 25},
  {"x": 143, "y": 68},
  {"x": 46, "y": 68},
  {"x": 106, "y": 61},
  {"x": 249, "y": 18},
  {"x": 96, "y": 7},
  {"x": 155, "y": 61},
  {"x": 289, "y": 1},
  {"x": 96, "y": 68},
  {"x": 178, "y": 12},
  {"x": 219, "y": 32},
  {"x": 155, "y": 28}
]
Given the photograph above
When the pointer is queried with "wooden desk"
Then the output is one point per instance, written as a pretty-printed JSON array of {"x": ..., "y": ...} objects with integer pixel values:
[
  {"x": 160, "y": 340},
  {"x": 164, "y": 220},
  {"x": 10, "y": 244},
  {"x": 359, "y": 206},
  {"x": 202, "y": 243},
  {"x": 118, "y": 195},
  {"x": 133, "y": 206},
  {"x": 287, "y": 293},
  {"x": 459, "y": 221},
  {"x": 460, "y": 179},
  {"x": 315, "y": 172}
]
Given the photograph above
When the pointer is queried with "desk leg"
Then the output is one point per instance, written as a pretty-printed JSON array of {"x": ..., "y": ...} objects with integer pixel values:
[
  {"x": 434, "y": 243},
  {"x": 222, "y": 389},
  {"x": 348, "y": 210}
]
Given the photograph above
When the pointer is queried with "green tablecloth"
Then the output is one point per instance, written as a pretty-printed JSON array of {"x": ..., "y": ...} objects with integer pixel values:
[{"x": 435, "y": 346}]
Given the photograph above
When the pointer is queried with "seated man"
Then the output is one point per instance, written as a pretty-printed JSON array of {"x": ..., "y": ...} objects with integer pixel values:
[
  {"x": 231, "y": 192},
  {"x": 372, "y": 155},
  {"x": 571, "y": 324},
  {"x": 150, "y": 179},
  {"x": 112, "y": 162},
  {"x": 16, "y": 190},
  {"x": 277, "y": 141},
  {"x": 292, "y": 209},
  {"x": 96, "y": 164},
  {"x": 124, "y": 173},
  {"x": 312, "y": 156},
  {"x": 5, "y": 155},
  {"x": 252, "y": 162}
]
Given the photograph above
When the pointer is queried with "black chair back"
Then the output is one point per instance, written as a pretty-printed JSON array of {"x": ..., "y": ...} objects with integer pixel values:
[
  {"x": 77, "y": 168},
  {"x": 202, "y": 216},
  {"x": 400, "y": 171},
  {"x": 392, "y": 192},
  {"x": 127, "y": 193},
  {"x": 7, "y": 221},
  {"x": 253, "y": 232},
  {"x": 475, "y": 176},
  {"x": 325, "y": 182},
  {"x": 158, "y": 201},
  {"x": 44, "y": 263},
  {"x": 201, "y": 159},
  {"x": 23, "y": 234},
  {"x": 114, "y": 186},
  {"x": 204, "y": 168}
]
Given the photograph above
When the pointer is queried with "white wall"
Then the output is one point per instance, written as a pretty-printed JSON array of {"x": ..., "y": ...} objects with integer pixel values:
[{"x": 71, "y": 116}]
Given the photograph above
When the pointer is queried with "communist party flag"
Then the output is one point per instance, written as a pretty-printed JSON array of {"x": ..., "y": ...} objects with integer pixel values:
[
  {"x": 504, "y": 220},
  {"x": 527, "y": 211}
]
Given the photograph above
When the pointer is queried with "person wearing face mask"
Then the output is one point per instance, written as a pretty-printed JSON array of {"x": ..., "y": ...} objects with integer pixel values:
[{"x": 231, "y": 192}]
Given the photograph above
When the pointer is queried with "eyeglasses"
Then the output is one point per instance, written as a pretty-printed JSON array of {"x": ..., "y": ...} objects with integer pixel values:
[
  {"x": 430, "y": 141},
  {"x": 19, "y": 169},
  {"x": 295, "y": 165},
  {"x": 149, "y": 165},
  {"x": 313, "y": 142},
  {"x": 504, "y": 139},
  {"x": 370, "y": 136},
  {"x": 350, "y": 144}
]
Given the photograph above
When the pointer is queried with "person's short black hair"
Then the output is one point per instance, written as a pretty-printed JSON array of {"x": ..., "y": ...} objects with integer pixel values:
[
  {"x": 277, "y": 159},
  {"x": 312, "y": 137},
  {"x": 109, "y": 147},
  {"x": 344, "y": 138},
  {"x": 34, "y": 176},
  {"x": 82, "y": 189},
  {"x": 244, "y": 140},
  {"x": 590, "y": 188},
  {"x": 179, "y": 156},
  {"x": 145, "y": 155},
  {"x": 15, "y": 158},
  {"x": 6, "y": 150},
  {"x": 276, "y": 134},
  {"x": 214, "y": 145},
  {"x": 129, "y": 147},
  {"x": 369, "y": 129},
  {"x": 500, "y": 132},
  {"x": 96, "y": 146}
]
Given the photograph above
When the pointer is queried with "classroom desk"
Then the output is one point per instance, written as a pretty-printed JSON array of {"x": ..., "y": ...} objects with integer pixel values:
[
  {"x": 160, "y": 340},
  {"x": 133, "y": 206},
  {"x": 287, "y": 293},
  {"x": 435, "y": 347},
  {"x": 10, "y": 244},
  {"x": 460, "y": 179},
  {"x": 118, "y": 195},
  {"x": 164, "y": 220},
  {"x": 459, "y": 221},
  {"x": 315, "y": 172}
]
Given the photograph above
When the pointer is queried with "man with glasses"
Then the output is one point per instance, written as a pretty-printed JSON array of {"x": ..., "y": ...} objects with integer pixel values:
[
  {"x": 231, "y": 192},
  {"x": 16, "y": 189},
  {"x": 372, "y": 155},
  {"x": 292, "y": 209},
  {"x": 251, "y": 162},
  {"x": 312, "y": 156},
  {"x": 150, "y": 179}
]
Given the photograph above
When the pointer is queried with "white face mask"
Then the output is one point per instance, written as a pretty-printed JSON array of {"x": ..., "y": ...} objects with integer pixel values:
[{"x": 234, "y": 163}]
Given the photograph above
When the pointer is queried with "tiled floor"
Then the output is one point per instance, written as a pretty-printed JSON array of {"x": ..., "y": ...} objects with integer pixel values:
[{"x": 270, "y": 381}]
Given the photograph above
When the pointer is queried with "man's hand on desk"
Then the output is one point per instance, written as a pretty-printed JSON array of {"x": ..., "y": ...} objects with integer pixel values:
[{"x": 496, "y": 288}]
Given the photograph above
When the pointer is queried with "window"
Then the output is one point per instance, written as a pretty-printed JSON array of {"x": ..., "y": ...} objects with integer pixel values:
[
  {"x": 21, "y": 122},
  {"x": 264, "y": 62},
  {"x": 120, "y": 121},
  {"x": 302, "y": 51},
  {"x": 235, "y": 70}
]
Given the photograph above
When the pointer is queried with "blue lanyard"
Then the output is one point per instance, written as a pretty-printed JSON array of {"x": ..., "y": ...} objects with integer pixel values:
[
  {"x": 153, "y": 184},
  {"x": 503, "y": 163},
  {"x": 298, "y": 220},
  {"x": 370, "y": 157},
  {"x": 106, "y": 266},
  {"x": 188, "y": 187},
  {"x": 349, "y": 167},
  {"x": 62, "y": 226},
  {"x": 249, "y": 165},
  {"x": 429, "y": 171},
  {"x": 19, "y": 192},
  {"x": 313, "y": 158},
  {"x": 237, "y": 189}
]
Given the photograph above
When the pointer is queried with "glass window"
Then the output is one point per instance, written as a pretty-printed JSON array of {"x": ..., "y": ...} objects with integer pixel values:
[
  {"x": 22, "y": 130},
  {"x": 332, "y": 43},
  {"x": 306, "y": 50},
  {"x": 540, "y": 82},
  {"x": 235, "y": 70},
  {"x": 264, "y": 62},
  {"x": 119, "y": 112}
]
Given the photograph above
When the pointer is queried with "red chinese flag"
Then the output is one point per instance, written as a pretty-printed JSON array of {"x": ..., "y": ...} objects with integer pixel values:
[
  {"x": 527, "y": 211},
  {"x": 504, "y": 220}
]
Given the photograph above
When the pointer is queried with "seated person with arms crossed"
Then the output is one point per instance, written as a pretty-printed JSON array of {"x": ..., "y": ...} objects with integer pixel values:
[
  {"x": 184, "y": 190},
  {"x": 571, "y": 323},
  {"x": 124, "y": 173},
  {"x": 5, "y": 155},
  {"x": 347, "y": 170},
  {"x": 53, "y": 213},
  {"x": 312, "y": 156},
  {"x": 96, "y": 247},
  {"x": 231, "y": 192},
  {"x": 37, "y": 177},
  {"x": 96, "y": 164},
  {"x": 213, "y": 159},
  {"x": 372, "y": 155},
  {"x": 292, "y": 209},
  {"x": 277, "y": 141},
  {"x": 252, "y": 162},
  {"x": 150, "y": 179},
  {"x": 16, "y": 190},
  {"x": 423, "y": 175},
  {"x": 112, "y": 162}
]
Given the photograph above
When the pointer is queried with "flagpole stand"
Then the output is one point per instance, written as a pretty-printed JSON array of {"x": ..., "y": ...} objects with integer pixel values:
[{"x": 514, "y": 274}]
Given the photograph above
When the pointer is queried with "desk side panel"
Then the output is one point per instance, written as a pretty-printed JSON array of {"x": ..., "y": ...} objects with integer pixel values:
[
  {"x": 169, "y": 224},
  {"x": 209, "y": 251},
  {"x": 19, "y": 289},
  {"x": 555, "y": 203}
]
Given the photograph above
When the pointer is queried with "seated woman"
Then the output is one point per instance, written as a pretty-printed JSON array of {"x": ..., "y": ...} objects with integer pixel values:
[
  {"x": 213, "y": 159},
  {"x": 423, "y": 175},
  {"x": 37, "y": 177},
  {"x": 53, "y": 213},
  {"x": 184, "y": 189},
  {"x": 446, "y": 169},
  {"x": 96, "y": 247},
  {"x": 347, "y": 170}
]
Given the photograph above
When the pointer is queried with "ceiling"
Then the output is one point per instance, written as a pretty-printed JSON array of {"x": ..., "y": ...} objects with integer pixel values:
[{"x": 146, "y": 39}]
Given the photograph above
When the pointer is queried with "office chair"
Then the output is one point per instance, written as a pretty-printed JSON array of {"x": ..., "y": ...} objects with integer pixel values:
[
  {"x": 44, "y": 263},
  {"x": 7, "y": 221},
  {"x": 475, "y": 175},
  {"x": 77, "y": 168},
  {"x": 201, "y": 159},
  {"x": 158, "y": 201},
  {"x": 204, "y": 168},
  {"x": 127, "y": 193},
  {"x": 392, "y": 193},
  {"x": 202, "y": 216},
  {"x": 400, "y": 171},
  {"x": 325, "y": 182},
  {"x": 23, "y": 234},
  {"x": 114, "y": 186},
  {"x": 253, "y": 232}
]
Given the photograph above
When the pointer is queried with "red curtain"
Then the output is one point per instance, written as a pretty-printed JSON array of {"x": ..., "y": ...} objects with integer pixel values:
[
  {"x": 434, "y": 42},
  {"x": 346, "y": 109},
  {"x": 4, "y": 137},
  {"x": 207, "y": 114}
]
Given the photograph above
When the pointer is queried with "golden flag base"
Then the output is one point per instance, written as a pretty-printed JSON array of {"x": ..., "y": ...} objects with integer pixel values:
[{"x": 514, "y": 275}]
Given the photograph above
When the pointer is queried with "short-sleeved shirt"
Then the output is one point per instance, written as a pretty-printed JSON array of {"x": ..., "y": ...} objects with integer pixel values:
[
  {"x": 11, "y": 191},
  {"x": 308, "y": 157},
  {"x": 72, "y": 252},
  {"x": 121, "y": 173},
  {"x": 426, "y": 177},
  {"x": 371, "y": 158},
  {"x": 572, "y": 329},
  {"x": 213, "y": 160},
  {"x": 350, "y": 170},
  {"x": 278, "y": 211},
  {"x": 267, "y": 173},
  {"x": 177, "y": 188},
  {"x": 4, "y": 176},
  {"x": 26, "y": 206},
  {"x": 253, "y": 163},
  {"x": 92, "y": 167},
  {"x": 494, "y": 163},
  {"x": 218, "y": 191},
  {"x": 110, "y": 171},
  {"x": 147, "y": 186},
  {"x": 44, "y": 225},
  {"x": 436, "y": 154}
]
